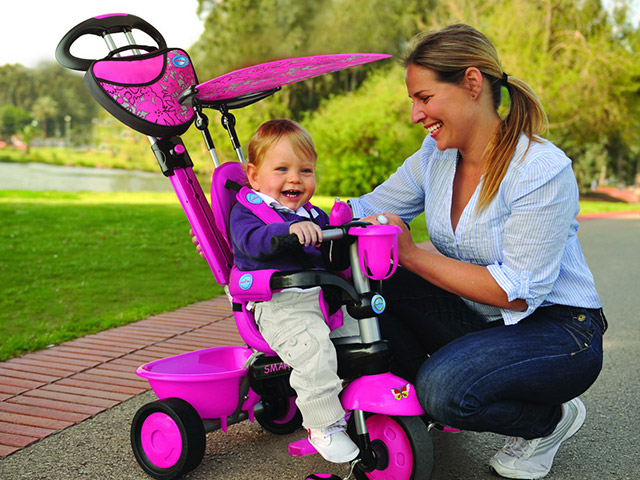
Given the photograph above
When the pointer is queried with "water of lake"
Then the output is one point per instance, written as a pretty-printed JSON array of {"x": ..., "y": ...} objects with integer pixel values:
[{"x": 40, "y": 176}]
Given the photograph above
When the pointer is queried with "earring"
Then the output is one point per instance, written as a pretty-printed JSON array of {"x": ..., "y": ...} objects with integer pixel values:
[{"x": 473, "y": 95}]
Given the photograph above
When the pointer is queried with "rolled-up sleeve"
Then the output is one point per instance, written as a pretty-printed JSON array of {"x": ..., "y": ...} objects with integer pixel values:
[{"x": 515, "y": 284}]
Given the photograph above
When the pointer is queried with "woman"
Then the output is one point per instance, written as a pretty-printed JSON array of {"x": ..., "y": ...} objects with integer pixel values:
[{"x": 499, "y": 324}]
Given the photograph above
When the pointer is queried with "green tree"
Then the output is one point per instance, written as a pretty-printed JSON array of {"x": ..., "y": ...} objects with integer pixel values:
[
  {"x": 28, "y": 133},
  {"x": 49, "y": 93},
  {"x": 17, "y": 86},
  {"x": 581, "y": 62},
  {"x": 67, "y": 90},
  {"x": 234, "y": 37},
  {"x": 45, "y": 110},
  {"x": 295, "y": 28},
  {"x": 13, "y": 119},
  {"x": 364, "y": 136},
  {"x": 578, "y": 57}
]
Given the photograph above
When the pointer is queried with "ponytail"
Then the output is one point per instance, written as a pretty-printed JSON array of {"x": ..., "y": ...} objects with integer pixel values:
[{"x": 526, "y": 115}]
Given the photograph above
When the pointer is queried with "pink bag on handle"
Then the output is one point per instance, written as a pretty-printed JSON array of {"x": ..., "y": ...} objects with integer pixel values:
[{"x": 142, "y": 90}]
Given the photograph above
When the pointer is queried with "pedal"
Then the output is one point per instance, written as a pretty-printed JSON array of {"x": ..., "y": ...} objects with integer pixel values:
[{"x": 302, "y": 448}]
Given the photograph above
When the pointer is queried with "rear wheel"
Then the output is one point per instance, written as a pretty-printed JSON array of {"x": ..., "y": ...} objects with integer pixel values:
[
  {"x": 402, "y": 446},
  {"x": 280, "y": 415},
  {"x": 167, "y": 438}
]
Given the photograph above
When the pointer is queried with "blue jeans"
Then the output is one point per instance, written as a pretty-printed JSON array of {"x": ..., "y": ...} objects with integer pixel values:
[{"x": 482, "y": 377}]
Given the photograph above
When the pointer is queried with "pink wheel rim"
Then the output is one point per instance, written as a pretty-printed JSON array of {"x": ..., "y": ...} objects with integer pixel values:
[
  {"x": 161, "y": 440},
  {"x": 390, "y": 432},
  {"x": 291, "y": 412}
]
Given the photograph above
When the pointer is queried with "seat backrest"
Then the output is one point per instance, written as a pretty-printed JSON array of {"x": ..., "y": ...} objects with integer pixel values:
[{"x": 223, "y": 199}]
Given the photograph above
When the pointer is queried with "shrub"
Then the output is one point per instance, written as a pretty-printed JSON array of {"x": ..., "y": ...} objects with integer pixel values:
[{"x": 363, "y": 136}]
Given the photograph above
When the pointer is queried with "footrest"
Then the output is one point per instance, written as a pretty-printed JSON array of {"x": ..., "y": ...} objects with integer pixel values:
[
  {"x": 301, "y": 448},
  {"x": 451, "y": 430}
]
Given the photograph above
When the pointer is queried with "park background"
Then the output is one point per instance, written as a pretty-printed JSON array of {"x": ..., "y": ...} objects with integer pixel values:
[{"x": 76, "y": 262}]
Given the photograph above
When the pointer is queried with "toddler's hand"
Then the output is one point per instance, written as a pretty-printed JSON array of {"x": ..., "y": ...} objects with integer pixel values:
[
  {"x": 308, "y": 233},
  {"x": 195, "y": 241}
]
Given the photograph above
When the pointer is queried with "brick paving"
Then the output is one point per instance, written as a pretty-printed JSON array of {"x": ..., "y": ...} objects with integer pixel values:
[{"x": 44, "y": 392}]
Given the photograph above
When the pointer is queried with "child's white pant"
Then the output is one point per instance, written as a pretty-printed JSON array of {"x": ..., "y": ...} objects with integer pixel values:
[{"x": 293, "y": 325}]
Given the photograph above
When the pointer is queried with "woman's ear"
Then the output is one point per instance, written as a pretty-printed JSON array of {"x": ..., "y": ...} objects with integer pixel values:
[{"x": 473, "y": 81}]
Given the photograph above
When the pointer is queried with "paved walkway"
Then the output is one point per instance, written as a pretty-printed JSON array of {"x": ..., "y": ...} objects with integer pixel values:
[{"x": 47, "y": 391}]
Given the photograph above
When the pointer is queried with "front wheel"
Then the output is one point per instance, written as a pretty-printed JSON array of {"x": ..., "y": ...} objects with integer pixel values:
[
  {"x": 403, "y": 448},
  {"x": 168, "y": 438}
]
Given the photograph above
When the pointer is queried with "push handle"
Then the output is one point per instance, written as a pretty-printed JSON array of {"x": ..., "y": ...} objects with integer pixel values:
[{"x": 102, "y": 26}]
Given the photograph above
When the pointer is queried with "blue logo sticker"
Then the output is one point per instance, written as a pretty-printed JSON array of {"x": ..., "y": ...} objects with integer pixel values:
[
  {"x": 245, "y": 281},
  {"x": 180, "y": 61},
  {"x": 254, "y": 199},
  {"x": 378, "y": 303}
]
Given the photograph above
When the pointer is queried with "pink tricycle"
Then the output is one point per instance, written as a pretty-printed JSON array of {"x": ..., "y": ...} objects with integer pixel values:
[{"x": 154, "y": 90}]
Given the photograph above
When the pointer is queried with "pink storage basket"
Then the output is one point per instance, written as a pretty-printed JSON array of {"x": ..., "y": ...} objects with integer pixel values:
[{"x": 208, "y": 379}]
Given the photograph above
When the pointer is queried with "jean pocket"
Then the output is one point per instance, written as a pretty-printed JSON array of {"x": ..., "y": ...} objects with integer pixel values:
[
  {"x": 580, "y": 328},
  {"x": 600, "y": 321}
]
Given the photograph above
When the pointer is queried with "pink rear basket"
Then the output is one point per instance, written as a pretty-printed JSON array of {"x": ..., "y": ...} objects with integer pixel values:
[{"x": 208, "y": 379}]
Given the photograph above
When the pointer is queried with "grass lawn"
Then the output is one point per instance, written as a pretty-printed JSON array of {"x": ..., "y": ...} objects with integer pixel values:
[
  {"x": 591, "y": 206},
  {"x": 77, "y": 263}
]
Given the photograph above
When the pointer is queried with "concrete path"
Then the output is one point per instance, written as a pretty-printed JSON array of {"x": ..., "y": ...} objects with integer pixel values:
[{"x": 608, "y": 446}]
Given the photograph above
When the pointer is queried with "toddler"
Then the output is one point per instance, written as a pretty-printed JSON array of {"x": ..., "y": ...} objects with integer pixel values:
[{"x": 281, "y": 170}]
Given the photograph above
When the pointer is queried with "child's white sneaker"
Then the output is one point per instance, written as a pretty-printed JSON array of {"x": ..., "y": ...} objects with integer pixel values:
[{"x": 333, "y": 443}]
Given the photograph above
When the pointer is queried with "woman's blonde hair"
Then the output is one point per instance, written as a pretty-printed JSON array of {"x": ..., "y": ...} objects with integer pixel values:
[
  {"x": 449, "y": 52},
  {"x": 269, "y": 133}
]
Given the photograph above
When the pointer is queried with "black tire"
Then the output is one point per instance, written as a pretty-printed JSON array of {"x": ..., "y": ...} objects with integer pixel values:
[
  {"x": 173, "y": 441},
  {"x": 280, "y": 415},
  {"x": 409, "y": 431}
]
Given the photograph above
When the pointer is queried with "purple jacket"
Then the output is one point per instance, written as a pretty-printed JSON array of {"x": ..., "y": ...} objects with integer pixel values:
[{"x": 251, "y": 241}]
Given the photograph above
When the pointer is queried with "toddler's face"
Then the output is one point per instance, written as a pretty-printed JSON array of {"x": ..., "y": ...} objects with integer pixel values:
[{"x": 283, "y": 175}]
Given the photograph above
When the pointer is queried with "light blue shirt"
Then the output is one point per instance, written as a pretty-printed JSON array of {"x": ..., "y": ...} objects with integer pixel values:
[{"x": 526, "y": 236}]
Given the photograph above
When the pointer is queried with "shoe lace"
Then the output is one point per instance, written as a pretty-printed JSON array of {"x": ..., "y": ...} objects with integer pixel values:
[
  {"x": 339, "y": 426},
  {"x": 518, "y": 447}
]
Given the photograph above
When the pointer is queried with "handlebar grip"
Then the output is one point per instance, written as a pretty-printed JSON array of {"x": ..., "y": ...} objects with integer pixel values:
[
  {"x": 288, "y": 241},
  {"x": 101, "y": 26}
]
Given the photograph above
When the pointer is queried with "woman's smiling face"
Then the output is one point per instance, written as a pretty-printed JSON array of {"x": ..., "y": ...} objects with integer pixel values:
[{"x": 441, "y": 107}]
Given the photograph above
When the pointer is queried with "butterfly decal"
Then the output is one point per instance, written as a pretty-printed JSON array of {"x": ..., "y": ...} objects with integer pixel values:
[{"x": 402, "y": 392}]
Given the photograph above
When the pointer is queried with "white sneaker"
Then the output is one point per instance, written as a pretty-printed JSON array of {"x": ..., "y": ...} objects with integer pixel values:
[
  {"x": 532, "y": 459},
  {"x": 333, "y": 443}
]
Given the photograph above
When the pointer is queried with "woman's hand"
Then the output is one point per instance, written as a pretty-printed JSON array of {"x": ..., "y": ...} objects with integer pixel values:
[
  {"x": 308, "y": 233},
  {"x": 405, "y": 240}
]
